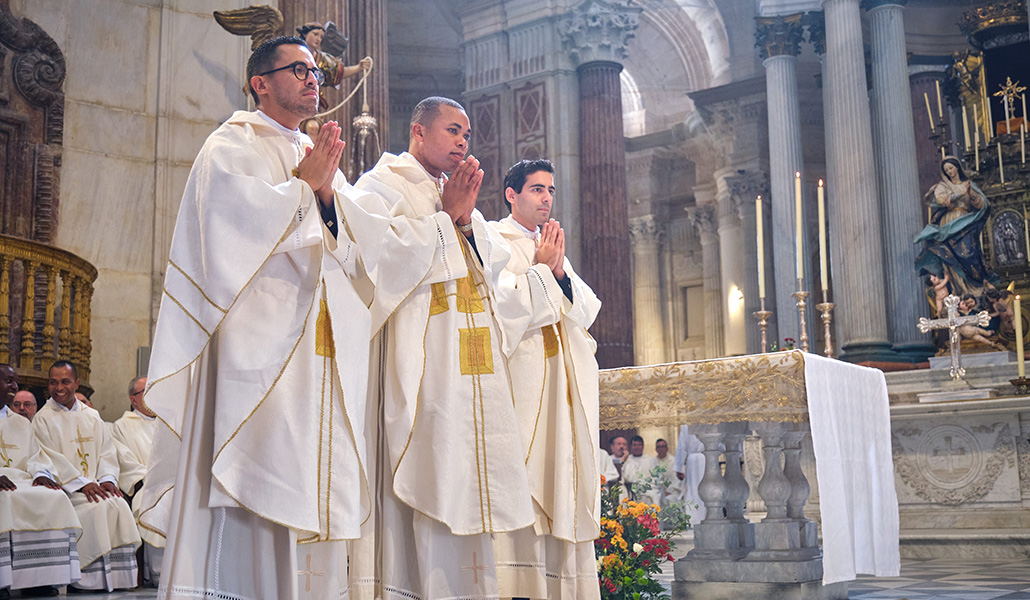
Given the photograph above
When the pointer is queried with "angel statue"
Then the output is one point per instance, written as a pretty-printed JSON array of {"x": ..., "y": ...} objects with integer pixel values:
[{"x": 326, "y": 43}]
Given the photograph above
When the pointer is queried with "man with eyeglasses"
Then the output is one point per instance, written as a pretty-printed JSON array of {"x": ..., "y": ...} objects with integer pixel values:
[{"x": 253, "y": 390}]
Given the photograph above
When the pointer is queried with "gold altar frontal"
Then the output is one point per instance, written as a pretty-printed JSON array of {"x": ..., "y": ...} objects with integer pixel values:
[{"x": 762, "y": 387}]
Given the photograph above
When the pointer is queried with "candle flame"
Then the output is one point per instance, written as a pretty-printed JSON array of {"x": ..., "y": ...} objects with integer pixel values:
[
  {"x": 797, "y": 174},
  {"x": 820, "y": 183}
]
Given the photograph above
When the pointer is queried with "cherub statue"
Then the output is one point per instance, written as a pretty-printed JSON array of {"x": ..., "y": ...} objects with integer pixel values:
[
  {"x": 969, "y": 306},
  {"x": 940, "y": 290}
]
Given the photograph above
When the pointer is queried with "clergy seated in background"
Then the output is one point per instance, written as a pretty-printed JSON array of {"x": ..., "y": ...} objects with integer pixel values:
[
  {"x": 133, "y": 435},
  {"x": 38, "y": 526},
  {"x": 636, "y": 468},
  {"x": 85, "y": 462},
  {"x": 546, "y": 309},
  {"x": 456, "y": 473},
  {"x": 260, "y": 358},
  {"x": 25, "y": 405},
  {"x": 670, "y": 491}
]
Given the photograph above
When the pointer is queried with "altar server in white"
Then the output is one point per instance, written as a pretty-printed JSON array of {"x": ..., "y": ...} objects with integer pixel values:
[
  {"x": 85, "y": 463},
  {"x": 450, "y": 462},
  {"x": 259, "y": 369},
  {"x": 546, "y": 309},
  {"x": 38, "y": 526}
]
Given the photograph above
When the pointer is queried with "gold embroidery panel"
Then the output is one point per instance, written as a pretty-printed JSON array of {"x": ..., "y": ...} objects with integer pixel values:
[
  {"x": 764, "y": 387},
  {"x": 550, "y": 341},
  {"x": 474, "y": 351},
  {"x": 469, "y": 300},
  {"x": 324, "y": 332},
  {"x": 438, "y": 300}
]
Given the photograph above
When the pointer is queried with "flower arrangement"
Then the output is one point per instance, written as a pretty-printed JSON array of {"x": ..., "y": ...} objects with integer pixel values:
[{"x": 632, "y": 547}]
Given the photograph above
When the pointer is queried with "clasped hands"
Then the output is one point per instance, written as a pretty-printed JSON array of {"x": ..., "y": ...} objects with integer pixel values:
[
  {"x": 550, "y": 249},
  {"x": 320, "y": 162},
  {"x": 461, "y": 190}
]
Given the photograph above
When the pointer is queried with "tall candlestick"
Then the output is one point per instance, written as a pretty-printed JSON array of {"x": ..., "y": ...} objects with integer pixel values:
[
  {"x": 1008, "y": 127},
  {"x": 1020, "y": 364},
  {"x": 761, "y": 247},
  {"x": 1001, "y": 166},
  {"x": 976, "y": 125},
  {"x": 929, "y": 115},
  {"x": 965, "y": 126},
  {"x": 823, "y": 271},
  {"x": 940, "y": 109},
  {"x": 990, "y": 119},
  {"x": 798, "y": 225}
]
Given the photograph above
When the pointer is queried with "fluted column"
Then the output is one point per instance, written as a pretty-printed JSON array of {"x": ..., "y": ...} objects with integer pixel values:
[
  {"x": 898, "y": 178},
  {"x": 744, "y": 189},
  {"x": 703, "y": 219},
  {"x": 852, "y": 201},
  {"x": 731, "y": 267},
  {"x": 367, "y": 29},
  {"x": 923, "y": 79},
  {"x": 648, "y": 334},
  {"x": 778, "y": 41},
  {"x": 596, "y": 34}
]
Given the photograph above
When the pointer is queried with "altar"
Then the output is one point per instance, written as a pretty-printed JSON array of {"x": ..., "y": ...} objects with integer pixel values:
[{"x": 781, "y": 397}]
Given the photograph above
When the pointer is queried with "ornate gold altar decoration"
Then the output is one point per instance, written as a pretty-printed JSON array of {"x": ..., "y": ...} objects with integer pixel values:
[
  {"x": 983, "y": 23},
  {"x": 259, "y": 22},
  {"x": 761, "y": 387}
]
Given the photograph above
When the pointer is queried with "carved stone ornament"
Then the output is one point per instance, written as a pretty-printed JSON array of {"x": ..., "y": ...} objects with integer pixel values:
[
  {"x": 949, "y": 466},
  {"x": 645, "y": 229},
  {"x": 39, "y": 70},
  {"x": 815, "y": 22},
  {"x": 778, "y": 36},
  {"x": 744, "y": 188},
  {"x": 703, "y": 219},
  {"x": 598, "y": 30}
]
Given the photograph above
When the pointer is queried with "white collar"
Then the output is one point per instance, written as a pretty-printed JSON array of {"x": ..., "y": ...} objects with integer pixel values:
[
  {"x": 5, "y": 412},
  {"x": 56, "y": 404},
  {"x": 293, "y": 133},
  {"x": 533, "y": 235}
]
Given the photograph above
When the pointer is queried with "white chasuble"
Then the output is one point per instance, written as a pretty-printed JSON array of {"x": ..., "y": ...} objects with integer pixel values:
[
  {"x": 554, "y": 378},
  {"x": 258, "y": 374},
  {"x": 450, "y": 458},
  {"x": 77, "y": 444},
  {"x": 133, "y": 436}
]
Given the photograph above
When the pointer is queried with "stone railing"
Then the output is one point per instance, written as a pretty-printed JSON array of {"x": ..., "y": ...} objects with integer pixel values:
[{"x": 45, "y": 298}]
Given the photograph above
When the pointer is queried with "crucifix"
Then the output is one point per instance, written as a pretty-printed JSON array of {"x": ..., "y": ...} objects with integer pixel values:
[
  {"x": 307, "y": 573},
  {"x": 952, "y": 322},
  {"x": 475, "y": 568}
]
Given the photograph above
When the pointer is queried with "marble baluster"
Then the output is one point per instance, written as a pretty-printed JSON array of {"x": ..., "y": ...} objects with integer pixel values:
[
  {"x": 723, "y": 533},
  {"x": 800, "y": 489},
  {"x": 898, "y": 178},
  {"x": 777, "y": 534}
]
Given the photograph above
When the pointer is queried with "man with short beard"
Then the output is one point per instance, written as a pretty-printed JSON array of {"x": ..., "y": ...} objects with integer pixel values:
[{"x": 260, "y": 356}]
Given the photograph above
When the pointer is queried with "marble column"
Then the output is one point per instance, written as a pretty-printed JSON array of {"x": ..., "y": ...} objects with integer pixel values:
[
  {"x": 852, "y": 200},
  {"x": 648, "y": 333},
  {"x": 923, "y": 79},
  {"x": 596, "y": 34},
  {"x": 703, "y": 219},
  {"x": 778, "y": 41},
  {"x": 897, "y": 179},
  {"x": 366, "y": 25},
  {"x": 731, "y": 267},
  {"x": 744, "y": 188}
]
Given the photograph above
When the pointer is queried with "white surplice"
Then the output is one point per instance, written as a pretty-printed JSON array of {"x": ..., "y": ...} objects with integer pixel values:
[
  {"x": 38, "y": 526},
  {"x": 133, "y": 435},
  {"x": 636, "y": 469},
  {"x": 449, "y": 465},
  {"x": 78, "y": 445},
  {"x": 258, "y": 374},
  {"x": 554, "y": 380},
  {"x": 690, "y": 460}
]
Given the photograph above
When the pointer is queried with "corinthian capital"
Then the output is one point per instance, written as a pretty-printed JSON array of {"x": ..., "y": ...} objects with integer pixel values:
[
  {"x": 704, "y": 221},
  {"x": 778, "y": 36},
  {"x": 598, "y": 30},
  {"x": 644, "y": 230},
  {"x": 744, "y": 188}
]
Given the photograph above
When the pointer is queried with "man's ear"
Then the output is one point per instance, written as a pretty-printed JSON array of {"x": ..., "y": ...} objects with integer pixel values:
[
  {"x": 259, "y": 85},
  {"x": 509, "y": 195},
  {"x": 417, "y": 131}
]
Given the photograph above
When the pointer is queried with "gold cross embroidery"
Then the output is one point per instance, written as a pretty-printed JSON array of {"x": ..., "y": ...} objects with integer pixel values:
[
  {"x": 83, "y": 455},
  {"x": 307, "y": 573},
  {"x": 469, "y": 300},
  {"x": 474, "y": 351},
  {"x": 475, "y": 568},
  {"x": 4, "y": 447}
]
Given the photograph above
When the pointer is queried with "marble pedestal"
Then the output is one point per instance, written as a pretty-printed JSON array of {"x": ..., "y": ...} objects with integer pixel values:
[
  {"x": 766, "y": 591},
  {"x": 962, "y": 468}
]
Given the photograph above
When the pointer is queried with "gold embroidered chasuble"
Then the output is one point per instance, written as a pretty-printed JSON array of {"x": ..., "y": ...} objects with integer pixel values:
[
  {"x": 554, "y": 378},
  {"x": 452, "y": 449},
  {"x": 258, "y": 297}
]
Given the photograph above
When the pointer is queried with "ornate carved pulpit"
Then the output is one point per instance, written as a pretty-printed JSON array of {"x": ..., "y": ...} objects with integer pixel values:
[
  {"x": 781, "y": 397},
  {"x": 44, "y": 291}
]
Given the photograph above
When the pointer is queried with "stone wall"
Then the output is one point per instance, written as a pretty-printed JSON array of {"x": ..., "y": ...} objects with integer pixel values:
[{"x": 147, "y": 82}]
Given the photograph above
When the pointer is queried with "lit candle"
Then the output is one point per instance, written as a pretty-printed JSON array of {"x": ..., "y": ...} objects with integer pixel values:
[
  {"x": 761, "y": 247},
  {"x": 929, "y": 115},
  {"x": 1022, "y": 142},
  {"x": 990, "y": 119},
  {"x": 942, "y": 153},
  {"x": 1024, "y": 108},
  {"x": 976, "y": 124},
  {"x": 1021, "y": 367},
  {"x": 797, "y": 224},
  {"x": 823, "y": 271},
  {"x": 1001, "y": 166},
  {"x": 940, "y": 108},
  {"x": 965, "y": 126},
  {"x": 976, "y": 150},
  {"x": 1008, "y": 127}
]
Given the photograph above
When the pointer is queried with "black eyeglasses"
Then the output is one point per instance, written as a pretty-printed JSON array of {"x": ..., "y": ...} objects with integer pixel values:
[{"x": 300, "y": 71}]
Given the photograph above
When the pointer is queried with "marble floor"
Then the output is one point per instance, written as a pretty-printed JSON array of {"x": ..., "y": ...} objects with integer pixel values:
[{"x": 921, "y": 579}]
